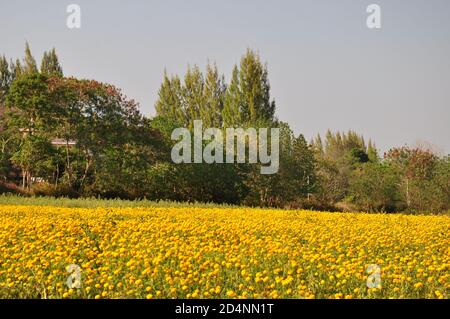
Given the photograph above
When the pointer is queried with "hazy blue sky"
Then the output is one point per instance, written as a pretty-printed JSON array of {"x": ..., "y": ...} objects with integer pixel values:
[{"x": 326, "y": 68}]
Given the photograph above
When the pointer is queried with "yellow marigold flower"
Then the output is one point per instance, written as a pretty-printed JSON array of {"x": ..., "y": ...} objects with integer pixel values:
[{"x": 418, "y": 285}]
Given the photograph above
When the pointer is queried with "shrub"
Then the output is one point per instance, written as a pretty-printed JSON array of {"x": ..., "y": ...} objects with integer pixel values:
[
  {"x": 11, "y": 188},
  {"x": 46, "y": 189}
]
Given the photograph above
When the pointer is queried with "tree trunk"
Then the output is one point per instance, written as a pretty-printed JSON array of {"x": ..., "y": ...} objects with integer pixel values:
[
  {"x": 89, "y": 162},
  {"x": 29, "y": 182},
  {"x": 56, "y": 176},
  {"x": 408, "y": 198},
  {"x": 23, "y": 178},
  {"x": 69, "y": 169}
]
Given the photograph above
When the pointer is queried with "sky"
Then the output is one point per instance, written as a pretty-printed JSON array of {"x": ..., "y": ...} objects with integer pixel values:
[{"x": 327, "y": 69}]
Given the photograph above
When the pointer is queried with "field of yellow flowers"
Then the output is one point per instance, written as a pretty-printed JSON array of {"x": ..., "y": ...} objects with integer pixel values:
[{"x": 220, "y": 253}]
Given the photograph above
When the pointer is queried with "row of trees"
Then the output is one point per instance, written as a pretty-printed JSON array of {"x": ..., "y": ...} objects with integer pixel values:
[
  {"x": 244, "y": 102},
  {"x": 69, "y": 137},
  {"x": 353, "y": 176}
]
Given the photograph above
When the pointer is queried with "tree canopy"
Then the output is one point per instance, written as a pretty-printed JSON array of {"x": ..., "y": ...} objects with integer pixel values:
[{"x": 64, "y": 136}]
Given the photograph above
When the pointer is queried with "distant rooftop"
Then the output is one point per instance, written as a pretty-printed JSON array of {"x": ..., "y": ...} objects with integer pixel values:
[{"x": 63, "y": 142}]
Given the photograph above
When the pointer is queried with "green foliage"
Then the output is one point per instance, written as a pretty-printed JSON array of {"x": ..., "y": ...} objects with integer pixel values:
[
  {"x": 30, "y": 66},
  {"x": 441, "y": 179},
  {"x": 192, "y": 95},
  {"x": 161, "y": 182},
  {"x": 359, "y": 156},
  {"x": 296, "y": 177},
  {"x": 414, "y": 180},
  {"x": 338, "y": 145},
  {"x": 415, "y": 163},
  {"x": 5, "y": 80},
  {"x": 374, "y": 187},
  {"x": 8, "y": 145},
  {"x": 35, "y": 157},
  {"x": 332, "y": 182},
  {"x": 417, "y": 167},
  {"x": 255, "y": 89},
  {"x": 338, "y": 156},
  {"x": 69, "y": 137},
  {"x": 5, "y": 83},
  {"x": 169, "y": 103},
  {"x": 244, "y": 102},
  {"x": 16, "y": 69},
  {"x": 97, "y": 126},
  {"x": 213, "y": 94},
  {"x": 50, "y": 64},
  {"x": 248, "y": 99},
  {"x": 233, "y": 100},
  {"x": 29, "y": 98},
  {"x": 209, "y": 183},
  {"x": 372, "y": 153}
]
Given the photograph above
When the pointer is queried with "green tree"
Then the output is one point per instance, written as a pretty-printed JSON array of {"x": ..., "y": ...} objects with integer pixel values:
[
  {"x": 5, "y": 80},
  {"x": 5, "y": 83},
  {"x": 29, "y": 98},
  {"x": 332, "y": 180},
  {"x": 192, "y": 95},
  {"x": 7, "y": 148},
  {"x": 375, "y": 187},
  {"x": 113, "y": 137},
  {"x": 35, "y": 158},
  {"x": 50, "y": 64},
  {"x": 441, "y": 183},
  {"x": 337, "y": 146},
  {"x": 16, "y": 69},
  {"x": 338, "y": 155},
  {"x": 248, "y": 97},
  {"x": 255, "y": 90},
  {"x": 233, "y": 100},
  {"x": 358, "y": 156},
  {"x": 416, "y": 165},
  {"x": 372, "y": 152},
  {"x": 317, "y": 146},
  {"x": 29, "y": 61},
  {"x": 214, "y": 95},
  {"x": 169, "y": 103},
  {"x": 295, "y": 179}
]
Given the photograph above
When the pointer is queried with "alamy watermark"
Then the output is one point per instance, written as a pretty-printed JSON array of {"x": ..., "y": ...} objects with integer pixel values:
[
  {"x": 374, "y": 19},
  {"x": 374, "y": 278},
  {"x": 73, "y": 20},
  {"x": 74, "y": 279},
  {"x": 237, "y": 142}
]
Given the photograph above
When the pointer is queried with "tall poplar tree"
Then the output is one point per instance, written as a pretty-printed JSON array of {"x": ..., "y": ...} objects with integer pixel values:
[
  {"x": 5, "y": 79},
  {"x": 193, "y": 100},
  {"x": 214, "y": 95},
  {"x": 255, "y": 89},
  {"x": 5, "y": 82},
  {"x": 29, "y": 61},
  {"x": 231, "y": 111},
  {"x": 169, "y": 102},
  {"x": 372, "y": 152},
  {"x": 16, "y": 69},
  {"x": 50, "y": 64},
  {"x": 248, "y": 99}
]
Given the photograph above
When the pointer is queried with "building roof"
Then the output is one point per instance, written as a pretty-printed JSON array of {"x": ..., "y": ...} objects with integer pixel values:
[{"x": 63, "y": 142}]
